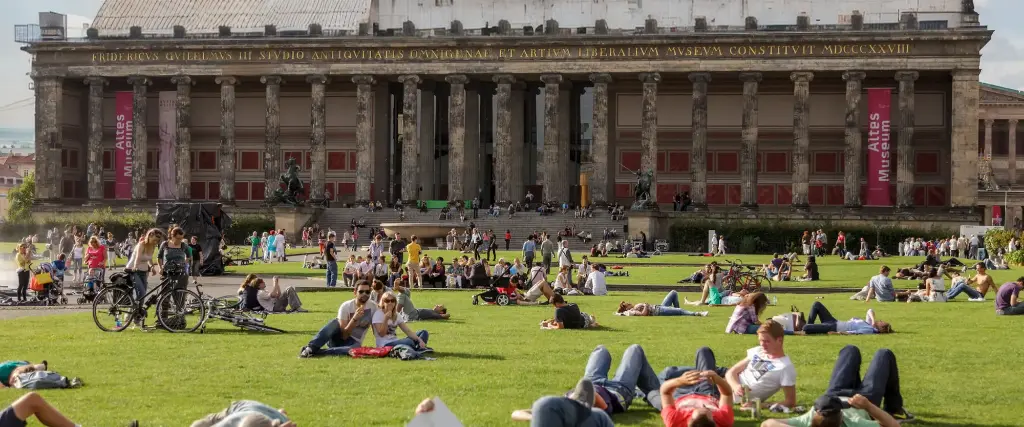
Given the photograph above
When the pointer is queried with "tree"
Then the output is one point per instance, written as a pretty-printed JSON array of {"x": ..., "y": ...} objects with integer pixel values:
[{"x": 20, "y": 199}]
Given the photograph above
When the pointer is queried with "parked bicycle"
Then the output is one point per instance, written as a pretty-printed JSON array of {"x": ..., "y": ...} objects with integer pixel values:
[
  {"x": 751, "y": 280},
  {"x": 177, "y": 309}
]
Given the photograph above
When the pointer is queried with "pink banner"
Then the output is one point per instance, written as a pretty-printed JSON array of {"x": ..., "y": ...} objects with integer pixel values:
[
  {"x": 879, "y": 147},
  {"x": 123, "y": 146},
  {"x": 168, "y": 143}
]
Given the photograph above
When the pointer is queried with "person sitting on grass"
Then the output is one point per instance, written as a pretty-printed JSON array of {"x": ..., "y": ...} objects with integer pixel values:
[
  {"x": 351, "y": 272},
  {"x": 810, "y": 270},
  {"x": 745, "y": 317},
  {"x": 273, "y": 300},
  {"x": 879, "y": 387},
  {"x": 765, "y": 370},
  {"x": 982, "y": 282},
  {"x": 821, "y": 321},
  {"x": 778, "y": 269},
  {"x": 412, "y": 314},
  {"x": 595, "y": 283},
  {"x": 668, "y": 307},
  {"x": 568, "y": 316},
  {"x": 378, "y": 291},
  {"x": 246, "y": 413},
  {"x": 1008, "y": 298},
  {"x": 713, "y": 291},
  {"x": 932, "y": 290},
  {"x": 615, "y": 395},
  {"x": 880, "y": 286},
  {"x": 386, "y": 322},
  {"x": 348, "y": 329},
  {"x": 538, "y": 287},
  {"x": 696, "y": 396},
  {"x": 32, "y": 404}
]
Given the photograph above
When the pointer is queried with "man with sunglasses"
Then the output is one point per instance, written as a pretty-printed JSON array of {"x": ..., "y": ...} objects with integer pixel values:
[{"x": 347, "y": 331}]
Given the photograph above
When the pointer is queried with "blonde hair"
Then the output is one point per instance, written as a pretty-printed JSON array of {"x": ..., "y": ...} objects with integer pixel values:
[
  {"x": 390, "y": 312},
  {"x": 95, "y": 240}
]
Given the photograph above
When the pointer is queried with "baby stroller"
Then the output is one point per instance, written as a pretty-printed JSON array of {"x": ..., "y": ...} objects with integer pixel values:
[
  {"x": 502, "y": 292},
  {"x": 94, "y": 282},
  {"x": 49, "y": 293}
]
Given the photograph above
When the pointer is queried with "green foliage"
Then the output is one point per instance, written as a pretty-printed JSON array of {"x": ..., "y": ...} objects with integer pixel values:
[
  {"x": 768, "y": 236},
  {"x": 1015, "y": 257},
  {"x": 996, "y": 239},
  {"x": 20, "y": 199},
  {"x": 120, "y": 223}
]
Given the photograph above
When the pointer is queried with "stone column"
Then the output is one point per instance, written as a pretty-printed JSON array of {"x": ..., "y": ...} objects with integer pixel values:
[
  {"x": 801, "y": 138},
  {"x": 599, "y": 176},
  {"x": 140, "y": 86},
  {"x": 852, "y": 173},
  {"x": 317, "y": 136},
  {"x": 364, "y": 137},
  {"x": 48, "y": 139},
  {"x": 227, "y": 139},
  {"x": 552, "y": 169},
  {"x": 272, "y": 156},
  {"x": 380, "y": 160},
  {"x": 964, "y": 150},
  {"x": 988, "y": 137},
  {"x": 183, "y": 133},
  {"x": 699, "y": 148},
  {"x": 517, "y": 143},
  {"x": 503, "y": 154},
  {"x": 95, "y": 147},
  {"x": 649, "y": 130},
  {"x": 1013, "y": 153},
  {"x": 905, "y": 143},
  {"x": 428, "y": 121},
  {"x": 748, "y": 149},
  {"x": 410, "y": 137},
  {"x": 456, "y": 136}
]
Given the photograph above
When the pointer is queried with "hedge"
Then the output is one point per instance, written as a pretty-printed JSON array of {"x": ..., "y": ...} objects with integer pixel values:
[
  {"x": 121, "y": 222},
  {"x": 766, "y": 237}
]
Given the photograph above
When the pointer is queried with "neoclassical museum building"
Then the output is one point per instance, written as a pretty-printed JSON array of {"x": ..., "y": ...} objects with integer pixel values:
[{"x": 745, "y": 107}]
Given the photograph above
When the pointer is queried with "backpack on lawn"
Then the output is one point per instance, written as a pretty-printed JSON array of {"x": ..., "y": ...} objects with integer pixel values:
[{"x": 40, "y": 380}]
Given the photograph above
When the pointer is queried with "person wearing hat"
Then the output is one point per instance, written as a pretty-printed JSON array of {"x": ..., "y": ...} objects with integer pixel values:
[{"x": 880, "y": 387}]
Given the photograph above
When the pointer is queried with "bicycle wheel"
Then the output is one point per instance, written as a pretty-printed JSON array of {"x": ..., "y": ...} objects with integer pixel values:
[
  {"x": 765, "y": 282},
  {"x": 113, "y": 309},
  {"x": 180, "y": 310}
]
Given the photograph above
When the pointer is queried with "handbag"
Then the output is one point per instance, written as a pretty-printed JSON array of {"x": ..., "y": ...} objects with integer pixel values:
[{"x": 44, "y": 278}]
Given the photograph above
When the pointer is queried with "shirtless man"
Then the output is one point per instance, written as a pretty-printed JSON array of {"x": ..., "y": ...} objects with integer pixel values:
[{"x": 982, "y": 283}]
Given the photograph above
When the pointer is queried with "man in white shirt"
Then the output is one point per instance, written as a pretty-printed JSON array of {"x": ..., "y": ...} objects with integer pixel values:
[
  {"x": 376, "y": 248},
  {"x": 765, "y": 370},
  {"x": 366, "y": 270},
  {"x": 347, "y": 331},
  {"x": 596, "y": 284}
]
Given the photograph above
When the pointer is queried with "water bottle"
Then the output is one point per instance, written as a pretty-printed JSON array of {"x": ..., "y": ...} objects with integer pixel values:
[{"x": 775, "y": 300}]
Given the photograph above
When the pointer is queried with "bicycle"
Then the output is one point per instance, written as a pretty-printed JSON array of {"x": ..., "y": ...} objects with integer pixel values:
[
  {"x": 117, "y": 303},
  {"x": 228, "y": 309},
  {"x": 738, "y": 280}
]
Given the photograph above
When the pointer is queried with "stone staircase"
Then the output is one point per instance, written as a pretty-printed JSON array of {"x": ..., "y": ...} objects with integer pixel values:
[{"x": 521, "y": 225}]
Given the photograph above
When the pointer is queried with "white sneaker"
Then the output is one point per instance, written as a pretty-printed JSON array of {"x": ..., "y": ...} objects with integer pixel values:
[
  {"x": 978, "y": 299},
  {"x": 702, "y": 313}
]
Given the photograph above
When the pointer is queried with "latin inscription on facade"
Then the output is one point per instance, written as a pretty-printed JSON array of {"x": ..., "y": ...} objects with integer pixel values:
[{"x": 519, "y": 53}]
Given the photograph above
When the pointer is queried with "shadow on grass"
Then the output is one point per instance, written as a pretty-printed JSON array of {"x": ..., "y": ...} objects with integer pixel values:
[
  {"x": 933, "y": 419},
  {"x": 248, "y": 332},
  {"x": 471, "y": 356}
]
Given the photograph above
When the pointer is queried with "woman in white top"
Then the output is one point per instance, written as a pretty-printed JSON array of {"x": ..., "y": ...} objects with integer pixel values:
[
  {"x": 934, "y": 288},
  {"x": 562, "y": 279},
  {"x": 388, "y": 320},
  {"x": 584, "y": 270},
  {"x": 280, "y": 241},
  {"x": 77, "y": 252},
  {"x": 351, "y": 271}
]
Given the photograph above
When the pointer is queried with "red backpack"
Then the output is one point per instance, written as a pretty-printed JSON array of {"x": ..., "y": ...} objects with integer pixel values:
[{"x": 367, "y": 352}]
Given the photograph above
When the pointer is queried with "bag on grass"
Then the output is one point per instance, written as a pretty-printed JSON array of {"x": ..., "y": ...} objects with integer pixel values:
[
  {"x": 40, "y": 380},
  {"x": 369, "y": 352}
]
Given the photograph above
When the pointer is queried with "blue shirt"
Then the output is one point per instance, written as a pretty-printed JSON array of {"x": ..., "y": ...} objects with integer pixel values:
[
  {"x": 884, "y": 291},
  {"x": 529, "y": 246},
  {"x": 271, "y": 247}
]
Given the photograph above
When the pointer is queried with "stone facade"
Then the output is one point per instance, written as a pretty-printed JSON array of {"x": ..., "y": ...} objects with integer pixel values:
[{"x": 415, "y": 114}]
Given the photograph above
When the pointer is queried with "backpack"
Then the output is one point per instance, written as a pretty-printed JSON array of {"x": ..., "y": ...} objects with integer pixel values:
[
  {"x": 40, "y": 380},
  {"x": 369, "y": 352}
]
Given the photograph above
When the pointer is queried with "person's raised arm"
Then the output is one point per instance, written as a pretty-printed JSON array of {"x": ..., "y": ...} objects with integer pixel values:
[
  {"x": 644, "y": 311},
  {"x": 733, "y": 376},
  {"x": 871, "y": 293},
  {"x": 276, "y": 291},
  {"x": 1014, "y": 297},
  {"x": 883, "y": 418},
  {"x": 724, "y": 389},
  {"x": 668, "y": 388}
]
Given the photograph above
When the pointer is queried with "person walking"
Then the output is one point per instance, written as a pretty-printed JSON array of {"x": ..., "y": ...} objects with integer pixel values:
[
  {"x": 547, "y": 250},
  {"x": 508, "y": 239}
]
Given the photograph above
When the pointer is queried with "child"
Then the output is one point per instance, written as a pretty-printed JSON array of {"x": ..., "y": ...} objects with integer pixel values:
[
  {"x": 77, "y": 252},
  {"x": 59, "y": 266}
]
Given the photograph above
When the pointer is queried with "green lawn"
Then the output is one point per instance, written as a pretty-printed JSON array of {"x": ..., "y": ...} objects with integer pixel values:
[{"x": 492, "y": 360}]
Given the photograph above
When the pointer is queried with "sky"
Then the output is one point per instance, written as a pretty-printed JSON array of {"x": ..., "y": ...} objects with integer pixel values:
[{"x": 1002, "y": 59}]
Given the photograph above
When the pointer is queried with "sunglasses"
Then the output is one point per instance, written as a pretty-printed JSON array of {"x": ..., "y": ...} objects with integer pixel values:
[{"x": 364, "y": 292}]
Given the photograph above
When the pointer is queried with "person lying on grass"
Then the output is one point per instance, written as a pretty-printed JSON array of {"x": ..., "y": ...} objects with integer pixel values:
[
  {"x": 246, "y": 413},
  {"x": 778, "y": 269},
  {"x": 830, "y": 325},
  {"x": 696, "y": 396},
  {"x": 347, "y": 330},
  {"x": 854, "y": 402},
  {"x": 615, "y": 395},
  {"x": 668, "y": 307},
  {"x": 577, "y": 410},
  {"x": 32, "y": 404},
  {"x": 404, "y": 296},
  {"x": 256, "y": 296},
  {"x": 714, "y": 291},
  {"x": 568, "y": 316}
]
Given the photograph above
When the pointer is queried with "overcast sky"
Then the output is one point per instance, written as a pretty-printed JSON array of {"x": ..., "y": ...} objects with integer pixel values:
[{"x": 1002, "y": 62}]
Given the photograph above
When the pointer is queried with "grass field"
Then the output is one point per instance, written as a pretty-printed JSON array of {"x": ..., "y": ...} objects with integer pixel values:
[{"x": 492, "y": 360}]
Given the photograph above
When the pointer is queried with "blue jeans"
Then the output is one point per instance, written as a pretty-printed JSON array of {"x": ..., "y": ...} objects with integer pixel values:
[
  {"x": 139, "y": 279},
  {"x": 254, "y": 252},
  {"x": 881, "y": 384},
  {"x": 332, "y": 274},
  {"x": 634, "y": 372},
  {"x": 670, "y": 306},
  {"x": 423, "y": 334},
  {"x": 703, "y": 361},
  {"x": 331, "y": 336},
  {"x": 554, "y": 411},
  {"x": 962, "y": 287}
]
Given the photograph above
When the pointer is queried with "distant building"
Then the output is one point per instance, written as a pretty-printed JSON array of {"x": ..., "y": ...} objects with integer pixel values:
[{"x": 13, "y": 169}]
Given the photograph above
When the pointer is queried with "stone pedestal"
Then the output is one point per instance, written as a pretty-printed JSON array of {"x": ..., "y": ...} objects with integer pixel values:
[{"x": 293, "y": 219}]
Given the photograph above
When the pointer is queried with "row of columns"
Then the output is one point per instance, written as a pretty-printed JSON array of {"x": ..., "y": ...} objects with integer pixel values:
[
  {"x": 1012, "y": 154},
  {"x": 508, "y": 136}
]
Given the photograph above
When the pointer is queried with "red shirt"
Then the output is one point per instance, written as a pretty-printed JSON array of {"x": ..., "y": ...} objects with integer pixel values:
[
  {"x": 95, "y": 257},
  {"x": 676, "y": 417}
]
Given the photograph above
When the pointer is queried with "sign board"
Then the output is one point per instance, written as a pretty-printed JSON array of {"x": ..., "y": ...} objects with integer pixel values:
[{"x": 879, "y": 147}]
